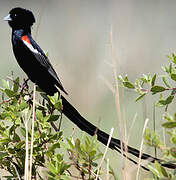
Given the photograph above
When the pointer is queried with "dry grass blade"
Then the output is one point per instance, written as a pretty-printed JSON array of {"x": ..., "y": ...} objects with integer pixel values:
[
  {"x": 32, "y": 133},
  {"x": 131, "y": 127},
  {"x": 107, "y": 170},
  {"x": 106, "y": 150},
  {"x": 117, "y": 96},
  {"x": 142, "y": 142},
  {"x": 27, "y": 149},
  {"x": 126, "y": 143}
]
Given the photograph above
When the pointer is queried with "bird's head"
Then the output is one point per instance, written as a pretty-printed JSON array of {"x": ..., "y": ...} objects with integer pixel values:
[{"x": 20, "y": 18}]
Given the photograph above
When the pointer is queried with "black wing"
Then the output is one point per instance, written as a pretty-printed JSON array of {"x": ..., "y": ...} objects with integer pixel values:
[{"x": 44, "y": 61}]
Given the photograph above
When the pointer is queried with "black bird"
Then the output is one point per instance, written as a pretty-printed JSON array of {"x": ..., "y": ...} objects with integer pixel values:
[{"x": 36, "y": 65}]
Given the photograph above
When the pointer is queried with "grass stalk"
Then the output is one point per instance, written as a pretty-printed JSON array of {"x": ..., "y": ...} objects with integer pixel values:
[
  {"x": 26, "y": 174},
  {"x": 107, "y": 170},
  {"x": 106, "y": 150},
  {"x": 32, "y": 133},
  {"x": 117, "y": 99},
  {"x": 142, "y": 142}
]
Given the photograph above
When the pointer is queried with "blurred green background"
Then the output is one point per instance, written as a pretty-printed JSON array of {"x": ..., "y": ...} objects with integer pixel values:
[{"x": 76, "y": 33}]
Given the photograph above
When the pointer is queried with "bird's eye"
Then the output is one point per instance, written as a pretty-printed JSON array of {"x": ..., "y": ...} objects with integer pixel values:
[{"x": 13, "y": 15}]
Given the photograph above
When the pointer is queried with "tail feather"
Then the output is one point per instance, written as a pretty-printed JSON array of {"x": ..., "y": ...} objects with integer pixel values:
[{"x": 71, "y": 113}]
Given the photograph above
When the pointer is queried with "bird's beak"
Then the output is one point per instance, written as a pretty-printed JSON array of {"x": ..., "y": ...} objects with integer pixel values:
[{"x": 8, "y": 18}]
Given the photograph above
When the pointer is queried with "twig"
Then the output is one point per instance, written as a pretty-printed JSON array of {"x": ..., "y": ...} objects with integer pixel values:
[
  {"x": 75, "y": 163},
  {"x": 5, "y": 101},
  {"x": 54, "y": 126},
  {"x": 73, "y": 175},
  {"x": 24, "y": 85}
]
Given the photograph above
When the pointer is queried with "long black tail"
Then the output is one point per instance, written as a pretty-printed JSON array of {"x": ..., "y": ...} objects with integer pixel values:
[{"x": 71, "y": 113}]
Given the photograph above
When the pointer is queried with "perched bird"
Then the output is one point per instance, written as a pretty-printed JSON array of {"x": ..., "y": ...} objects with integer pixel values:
[{"x": 36, "y": 65}]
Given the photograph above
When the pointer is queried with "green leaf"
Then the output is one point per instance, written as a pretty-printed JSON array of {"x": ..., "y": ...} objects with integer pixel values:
[
  {"x": 16, "y": 84},
  {"x": 173, "y": 76},
  {"x": 94, "y": 164},
  {"x": 173, "y": 58},
  {"x": 167, "y": 101},
  {"x": 98, "y": 156},
  {"x": 77, "y": 144},
  {"x": 23, "y": 131},
  {"x": 165, "y": 68},
  {"x": 54, "y": 146},
  {"x": 11, "y": 150},
  {"x": 53, "y": 118},
  {"x": 79, "y": 150},
  {"x": 126, "y": 78},
  {"x": 52, "y": 168},
  {"x": 128, "y": 85},
  {"x": 157, "y": 89},
  {"x": 10, "y": 93},
  {"x": 64, "y": 168},
  {"x": 161, "y": 169},
  {"x": 20, "y": 144},
  {"x": 154, "y": 171},
  {"x": 23, "y": 105},
  {"x": 165, "y": 82},
  {"x": 5, "y": 84},
  {"x": 54, "y": 98},
  {"x": 173, "y": 139},
  {"x": 92, "y": 154},
  {"x": 137, "y": 82},
  {"x": 140, "y": 97},
  {"x": 169, "y": 124},
  {"x": 70, "y": 143},
  {"x": 153, "y": 80},
  {"x": 5, "y": 140},
  {"x": 39, "y": 114},
  {"x": 16, "y": 138},
  {"x": 170, "y": 68},
  {"x": 173, "y": 152},
  {"x": 120, "y": 78},
  {"x": 144, "y": 78},
  {"x": 3, "y": 155}
]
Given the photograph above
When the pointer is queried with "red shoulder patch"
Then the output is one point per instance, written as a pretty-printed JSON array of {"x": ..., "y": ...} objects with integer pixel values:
[{"x": 25, "y": 38}]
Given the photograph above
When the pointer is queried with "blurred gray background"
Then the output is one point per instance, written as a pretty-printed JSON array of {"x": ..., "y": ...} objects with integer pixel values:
[{"x": 76, "y": 34}]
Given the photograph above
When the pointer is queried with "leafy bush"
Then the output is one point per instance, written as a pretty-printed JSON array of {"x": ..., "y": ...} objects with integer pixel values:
[
  {"x": 47, "y": 161},
  {"x": 148, "y": 84}
]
